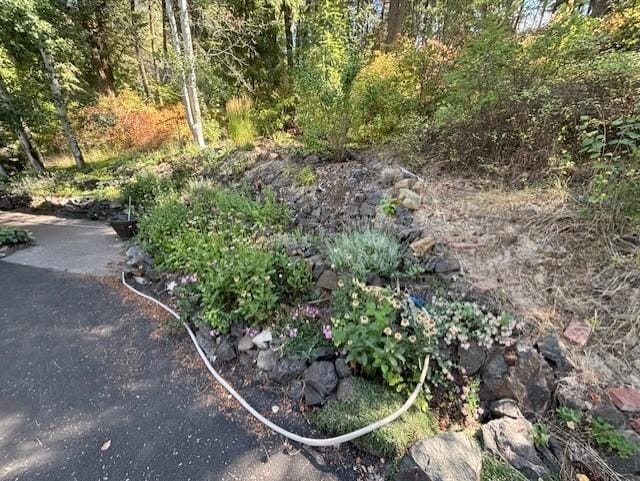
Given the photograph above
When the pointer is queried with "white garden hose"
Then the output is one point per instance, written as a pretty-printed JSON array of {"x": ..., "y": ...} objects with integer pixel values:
[{"x": 294, "y": 437}]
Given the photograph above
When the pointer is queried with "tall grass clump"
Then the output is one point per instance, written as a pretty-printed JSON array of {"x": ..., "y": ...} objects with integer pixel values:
[{"x": 241, "y": 128}]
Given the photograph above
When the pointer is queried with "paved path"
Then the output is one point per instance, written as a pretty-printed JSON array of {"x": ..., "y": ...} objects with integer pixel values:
[
  {"x": 71, "y": 245},
  {"x": 90, "y": 392}
]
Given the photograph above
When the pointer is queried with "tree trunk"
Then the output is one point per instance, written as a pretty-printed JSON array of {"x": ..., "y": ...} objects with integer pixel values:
[
  {"x": 3, "y": 171},
  {"x": 599, "y": 7},
  {"x": 192, "y": 88},
  {"x": 288, "y": 34},
  {"x": 22, "y": 131},
  {"x": 61, "y": 108},
  {"x": 99, "y": 58},
  {"x": 144, "y": 80},
  {"x": 395, "y": 19},
  {"x": 154, "y": 61},
  {"x": 175, "y": 40}
]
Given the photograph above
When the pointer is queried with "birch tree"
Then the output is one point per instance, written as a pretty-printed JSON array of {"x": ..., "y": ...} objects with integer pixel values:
[{"x": 189, "y": 89}]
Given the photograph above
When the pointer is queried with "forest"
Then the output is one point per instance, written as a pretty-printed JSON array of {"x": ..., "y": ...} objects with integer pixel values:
[{"x": 525, "y": 90}]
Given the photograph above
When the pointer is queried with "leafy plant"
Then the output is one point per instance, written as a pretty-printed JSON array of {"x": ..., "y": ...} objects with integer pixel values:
[
  {"x": 388, "y": 206},
  {"x": 541, "y": 435},
  {"x": 12, "y": 237},
  {"x": 606, "y": 436},
  {"x": 306, "y": 176},
  {"x": 571, "y": 417},
  {"x": 365, "y": 251}
]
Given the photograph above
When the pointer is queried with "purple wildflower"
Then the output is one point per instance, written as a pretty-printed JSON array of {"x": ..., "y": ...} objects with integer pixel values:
[
  {"x": 326, "y": 332},
  {"x": 293, "y": 332}
]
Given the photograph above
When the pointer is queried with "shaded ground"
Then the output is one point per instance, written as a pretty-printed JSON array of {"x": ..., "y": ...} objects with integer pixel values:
[
  {"x": 77, "y": 246},
  {"x": 89, "y": 390}
]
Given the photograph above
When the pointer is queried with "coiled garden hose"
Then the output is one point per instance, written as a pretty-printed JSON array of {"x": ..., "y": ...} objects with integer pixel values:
[{"x": 294, "y": 437}]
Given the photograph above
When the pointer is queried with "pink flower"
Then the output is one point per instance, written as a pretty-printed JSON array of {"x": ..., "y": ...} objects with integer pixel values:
[
  {"x": 326, "y": 331},
  {"x": 293, "y": 332}
]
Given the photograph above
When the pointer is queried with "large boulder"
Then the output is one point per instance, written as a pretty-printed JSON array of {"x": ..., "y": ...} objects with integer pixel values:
[
  {"x": 512, "y": 440},
  {"x": 446, "y": 457},
  {"x": 527, "y": 378},
  {"x": 287, "y": 369},
  {"x": 320, "y": 380}
]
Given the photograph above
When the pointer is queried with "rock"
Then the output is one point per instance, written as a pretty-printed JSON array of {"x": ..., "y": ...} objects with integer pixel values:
[
  {"x": 140, "y": 280},
  {"x": 446, "y": 457},
  {"x": 287, "y": 369},
  {"x": 320, "y": 380},
  {"x": 626, "y": 399},
  {"x": 262, "y": 340},
  {"x": 295, "y": 391},
  {"x": 345, "y": 389},
  {"x": 404, "y": 184},
  {"x": 578, "y": 332},
  {"x": 512, "y": 440},
  {"x": 248, "y": 358},
  {"x": 5, "y": 204},
  {"x": 472, "y": 359},
  {"x": 629, "y": 467},
  {"x": 135, "y": 256},
  {"x": 422, "y": 246},
  {"x": 635, "y": 424},
  {"x": 529, "y": 380},
  {"x": 267, "y": 360},
  {"x": 556, "y": 353},
  {"x": 245, "y": 343},
  {"x": 225, "y": 351},
  {"x": 610, "y": 414},
  {"x": 342, "y": 368},
  {"x": 444, "y": 266},
  {"x": 328, "y": 280},
  {"x": 206, "y": 343},
  {"x": 409, "y": 199},
  {"x": 323, "y": 354},
  {"x": 506, "y": 408},
  {"x": 373, "y": 279}
]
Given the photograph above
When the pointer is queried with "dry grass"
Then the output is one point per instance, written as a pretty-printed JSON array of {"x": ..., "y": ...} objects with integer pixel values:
[{"x": 545, "y": 259}]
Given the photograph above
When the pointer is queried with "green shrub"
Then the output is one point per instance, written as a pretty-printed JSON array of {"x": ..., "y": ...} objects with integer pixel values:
[
  {"x": 219, "y": 238},
  {"x": 365, "y": 251},
  {"x": 306, "y": 177},
  {"x": 12, "y": 237},
  {"x": 606, "y": 436},
  {"x": 613, "y": 148},
  {"x": 146, "y": 187},
  {"x": 241, "y": 129},
  {"x": 369, "y": 403}
]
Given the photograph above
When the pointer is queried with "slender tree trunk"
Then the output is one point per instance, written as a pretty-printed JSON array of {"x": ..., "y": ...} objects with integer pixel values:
[
  {"x": 3, "y": 171},
  {"x": 599, "y": 7},
  {"x": 543, "y": 10},
  {"x": 192, "y": 88},
  {"x": 288, "y": 34},
  {"x": 22, "y": 131},
  {"x": 144, "y": 80},
  {"x": 154, "y": 62},
  {"x": 61, "y": 108},
  {"x": 175, "y": 40}
]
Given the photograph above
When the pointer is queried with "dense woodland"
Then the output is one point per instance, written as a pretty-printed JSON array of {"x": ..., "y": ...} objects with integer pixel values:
[{"x": 524, "y": 89}]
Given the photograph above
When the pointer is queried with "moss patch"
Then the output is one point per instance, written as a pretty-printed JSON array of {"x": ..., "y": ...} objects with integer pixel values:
[
  {"x": 371, "y": 402},
  {"x": 494, "y": 469}
]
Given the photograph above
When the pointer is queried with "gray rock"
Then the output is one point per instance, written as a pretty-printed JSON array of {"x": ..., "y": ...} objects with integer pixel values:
[
  {"x": 556, "y": 353},
  {"x": 409, "y": 199},
  {"x": 342, "y": 368},
  {"x": 320, "y": 380},
  {"x": 328, "y": 280},
  {"x": 391, "y": 175},
  {"x": 446, "y": 457},
  {"x": 610, "y": 414},
  {"x": 512, "y": 440},
  {"x": 206, "y": 343},
  {"x": 267, "y": 360},
  {"x": 225, "y": 351},
  {"x": 324, "y": 354},
  {"x": 530, "y": 381},
  {"x": 295, "y": 391},
  {"x": 444, "y": 266},
  {"x": 245, "y": 343},
  {"x": 472, "y": 359},
  {"x": 262, "y": 340},
  {"x": 571, "y": 392},
  {"x": 287, "y": 369},
  {"x": 506, "y": 408},
  {"x": 248, "y": 358},
  {"x": 135, "y": 256},
  {"x": 345, "y": 389}
]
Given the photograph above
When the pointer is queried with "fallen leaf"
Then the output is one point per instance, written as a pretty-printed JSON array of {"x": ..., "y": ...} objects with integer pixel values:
[
  {"x": 582, "y": 477},
  {"x": 106, "y": 445}
]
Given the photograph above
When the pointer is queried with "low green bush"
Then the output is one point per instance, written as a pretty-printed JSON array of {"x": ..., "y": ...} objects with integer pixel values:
[
  {"x": 365, "y": 251},
  {"x": 12, "y": 237},
  {"x": 218, "y": 238},
  {"x": 369, "y": 403},
  {"x": 607, "y": 437}
]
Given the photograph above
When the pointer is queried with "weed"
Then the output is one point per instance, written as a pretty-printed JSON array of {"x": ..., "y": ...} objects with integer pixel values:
[
  {"x": 606, "y": 436},
  {"x": 541, "y": 435},
  {"x": 571, "y": 417},
  {"x": 305, "y": 177},
  {"x": 241, "y": 129},
  {"x": 388, "y": 206}
]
